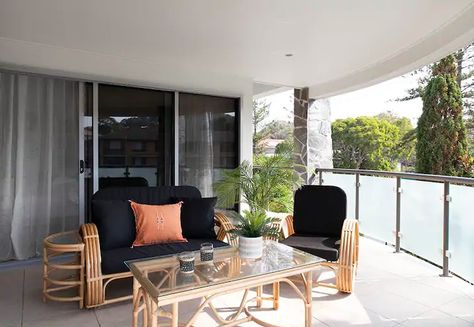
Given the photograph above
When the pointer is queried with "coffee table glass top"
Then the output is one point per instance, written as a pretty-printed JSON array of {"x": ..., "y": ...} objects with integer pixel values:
[{"x": 161, "y": 275}]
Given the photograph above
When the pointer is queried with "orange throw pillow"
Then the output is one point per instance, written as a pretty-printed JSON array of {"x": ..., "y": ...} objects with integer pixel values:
[{"x": 157, "y": 223}]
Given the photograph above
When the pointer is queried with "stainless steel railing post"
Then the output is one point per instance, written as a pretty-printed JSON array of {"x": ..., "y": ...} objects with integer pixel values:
[
  {"x": 357, "y": 194},
  {"x": 398, "y": 214},
  {"x": 446, "y": 200}
]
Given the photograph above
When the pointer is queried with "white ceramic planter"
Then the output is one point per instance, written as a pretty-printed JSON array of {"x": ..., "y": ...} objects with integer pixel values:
[{"x": 250, "y": 247}]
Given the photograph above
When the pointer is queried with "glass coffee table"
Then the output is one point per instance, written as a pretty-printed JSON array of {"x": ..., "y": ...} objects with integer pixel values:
[{"x": 158, "y": 282}]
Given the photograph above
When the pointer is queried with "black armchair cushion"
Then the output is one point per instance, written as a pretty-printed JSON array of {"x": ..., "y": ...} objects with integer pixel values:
[
  {"x": 113, "y": 260},
  {"x": 197, "y": 217},
  {"x": 319, "y": 210},
  {"x": 324, "y": 247},
  {"x": 115, "y": 223}
]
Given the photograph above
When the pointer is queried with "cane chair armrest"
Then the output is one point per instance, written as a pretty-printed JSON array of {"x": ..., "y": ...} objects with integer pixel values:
[
  {"x": 287, "y": 227},
  {"x": 225, "y": 226},
  {"x": 93, "y": 270}
]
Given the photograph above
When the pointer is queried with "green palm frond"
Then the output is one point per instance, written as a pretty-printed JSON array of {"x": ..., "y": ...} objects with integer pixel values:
[{"x": 257, "y": 186}]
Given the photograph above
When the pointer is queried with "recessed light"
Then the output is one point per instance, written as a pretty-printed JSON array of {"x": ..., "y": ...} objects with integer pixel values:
[{"x": 289, "y": 55}]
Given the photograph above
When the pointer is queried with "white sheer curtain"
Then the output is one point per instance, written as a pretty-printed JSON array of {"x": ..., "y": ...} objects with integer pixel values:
[
  {"x": 196, "y": 149},
  {"x": 38, "y": 161}
]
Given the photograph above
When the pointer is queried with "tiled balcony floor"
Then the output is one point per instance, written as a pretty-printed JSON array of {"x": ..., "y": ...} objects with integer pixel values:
[{"x": 391, "y": 290}]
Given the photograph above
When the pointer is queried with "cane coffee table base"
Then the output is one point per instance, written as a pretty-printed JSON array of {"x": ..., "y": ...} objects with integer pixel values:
[
  {"x": 158, "y": 282},
  {"x": 150, "y": 310}
]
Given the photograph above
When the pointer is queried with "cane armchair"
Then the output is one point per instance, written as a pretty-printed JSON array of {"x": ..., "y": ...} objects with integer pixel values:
[{"x": 319, "y": 226}]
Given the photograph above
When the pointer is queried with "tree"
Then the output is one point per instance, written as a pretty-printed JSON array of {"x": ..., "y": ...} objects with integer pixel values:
[
  {"x": 407, "y": 145},
  {"x": 441, "y": 134},
  {"x": 278, "y": 129},
  {"x": 464, "y": 79},
  {"x": 260, "y": 113},
  {"x": 365, "y": 143}
]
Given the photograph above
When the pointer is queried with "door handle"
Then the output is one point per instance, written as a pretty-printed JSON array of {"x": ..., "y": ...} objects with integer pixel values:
[{"x": 81, "y": 166}]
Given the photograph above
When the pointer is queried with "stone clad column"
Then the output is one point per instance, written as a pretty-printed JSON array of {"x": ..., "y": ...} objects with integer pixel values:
[
  {"x": 300, "y": 131},
  {"x": 311, "y": 134},
  {"x": 319, "y": 137}
]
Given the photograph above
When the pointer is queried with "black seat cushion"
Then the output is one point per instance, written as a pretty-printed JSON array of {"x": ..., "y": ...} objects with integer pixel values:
[
  {"x": 113, "y": 260},
  {"x": 115, "y": 222},
  {"x": 319, "y": 210},
  {"x": 321, "y": 246},
  {"x": 197, "y": 217}
]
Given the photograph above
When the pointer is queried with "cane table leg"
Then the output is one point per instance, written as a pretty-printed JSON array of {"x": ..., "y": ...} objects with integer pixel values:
[
  {"x": 45, "y": 273},
  {"x": 81, "y": 278},
  {"x": 174, "y": 319},
  {"x": 276, "y": 295},
  {"x": 309, "y": 299},
  {"x": 136, "y": 310},
  {"x": 259, "y": 296},
  {"x": 154, "y": 313}
]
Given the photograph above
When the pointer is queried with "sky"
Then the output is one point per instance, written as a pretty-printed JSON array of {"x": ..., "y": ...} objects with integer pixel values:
[{"x": 369, "y": 101}]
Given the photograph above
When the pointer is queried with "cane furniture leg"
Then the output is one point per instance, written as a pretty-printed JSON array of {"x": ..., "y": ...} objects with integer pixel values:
[
  {"x": 258, "y": 299},
  {"x": 56, "y": 245},
  {"x": 175, "y": 313},
  {"x": 345, "y": 267},
  {"x": 309, "y": 299},
  {"x": 276, "y": 295}
]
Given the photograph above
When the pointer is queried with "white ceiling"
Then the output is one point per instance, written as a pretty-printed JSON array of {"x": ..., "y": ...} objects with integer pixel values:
[{"x": 336, "y": 45}]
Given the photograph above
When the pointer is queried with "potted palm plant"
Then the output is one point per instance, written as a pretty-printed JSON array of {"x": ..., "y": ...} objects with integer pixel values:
[{"x": 256, "y": 187}]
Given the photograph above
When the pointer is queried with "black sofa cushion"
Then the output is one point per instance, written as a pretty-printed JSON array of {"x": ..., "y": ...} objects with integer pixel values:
[
  {"x": 115, "y": 222},
  {"x": 147, "y": 195},
  {"x": 113, "y": 260},
  {"x": 112, "y": 214},
  {"x": 324, "y": 247},
  {"x": 197, "y": 217},
  {"x": 319, "y": 210}
]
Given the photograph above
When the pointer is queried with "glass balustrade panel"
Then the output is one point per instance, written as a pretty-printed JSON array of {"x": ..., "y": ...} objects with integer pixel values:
[
  {"x": 377, "y": 209},
  {"x": 461, "y": 231},
  {"x": 422, "y": 219}
]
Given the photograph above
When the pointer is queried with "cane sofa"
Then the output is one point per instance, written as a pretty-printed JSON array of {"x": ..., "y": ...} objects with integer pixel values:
[{"x": 109, "y": 236}]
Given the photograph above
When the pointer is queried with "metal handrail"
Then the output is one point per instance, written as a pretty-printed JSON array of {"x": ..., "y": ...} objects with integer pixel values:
[
  {"x": 399, "y": 176},
  {"x": 416, "y": 176}
]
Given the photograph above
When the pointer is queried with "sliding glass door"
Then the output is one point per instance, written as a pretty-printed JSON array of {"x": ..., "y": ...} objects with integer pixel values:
[
  {"x": 135, "y": 133},
  {"x": 208, "y": 139},
  {"x": 62, "y": 140}
]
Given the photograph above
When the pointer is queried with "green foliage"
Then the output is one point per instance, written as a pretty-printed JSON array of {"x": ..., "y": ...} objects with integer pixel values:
[
  {"x": 278, "y": 129},
  {"x": 260, "y": 113},
  {"x": 256, "y": 224},
  {"x": 286, "y": 147},
  {"x": 366, "y": 143},
  {"x": 257, "y": 185},
  {"x": 406, "y": 147},
  {"x": 441, "y": 134},
  {"x": 465, "y": 80},
  {"x": 263, "y": 187}
]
